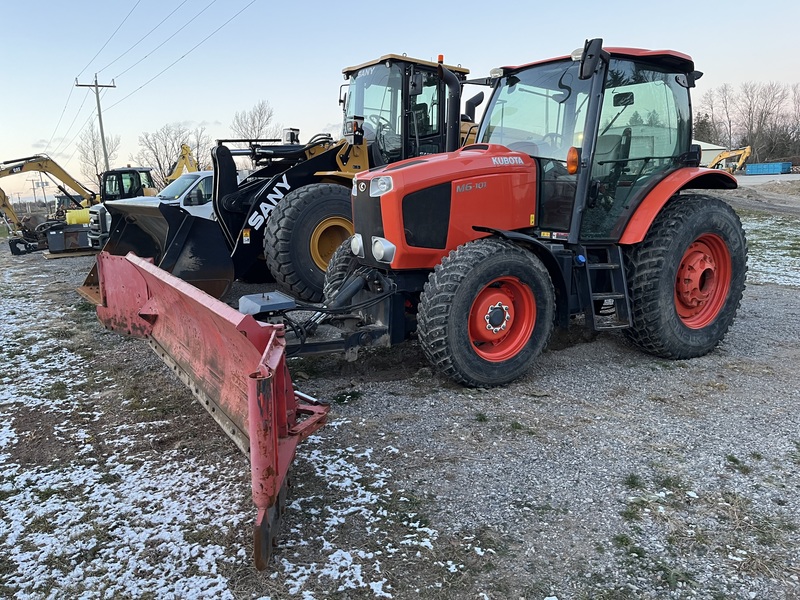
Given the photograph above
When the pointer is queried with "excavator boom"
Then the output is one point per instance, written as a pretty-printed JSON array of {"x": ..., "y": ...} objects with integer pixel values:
[
  {"x": 721, "y": 159},
  {"x": 45, "y": 164}
]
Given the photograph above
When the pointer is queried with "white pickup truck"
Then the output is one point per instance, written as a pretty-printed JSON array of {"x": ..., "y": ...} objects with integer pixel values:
[{"x": 190, "y": 191}]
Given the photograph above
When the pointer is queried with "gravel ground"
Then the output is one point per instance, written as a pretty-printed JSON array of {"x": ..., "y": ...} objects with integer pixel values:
[{"x": 604, "y": 473}]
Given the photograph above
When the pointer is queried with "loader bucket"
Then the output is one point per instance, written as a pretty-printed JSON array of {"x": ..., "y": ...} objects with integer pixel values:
[
  {"x": 189, "y": 247},
  {"x": 234, "y": 365}
]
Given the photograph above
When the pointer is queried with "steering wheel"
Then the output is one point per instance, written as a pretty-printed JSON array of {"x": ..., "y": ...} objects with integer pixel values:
[
  {"x": 555, "y": 139},
  {"x": 380, "y": 121}
]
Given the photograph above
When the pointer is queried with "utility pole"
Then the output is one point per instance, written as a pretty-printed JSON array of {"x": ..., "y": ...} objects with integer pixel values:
[{"x": 97, "y": 87}]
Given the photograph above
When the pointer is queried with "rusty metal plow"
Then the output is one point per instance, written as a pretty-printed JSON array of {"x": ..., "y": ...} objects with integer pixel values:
[{"x": 234, "y": 365}]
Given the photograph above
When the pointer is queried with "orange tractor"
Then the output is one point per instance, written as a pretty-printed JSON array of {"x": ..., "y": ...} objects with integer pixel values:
[{"x": 579, "y": 198}]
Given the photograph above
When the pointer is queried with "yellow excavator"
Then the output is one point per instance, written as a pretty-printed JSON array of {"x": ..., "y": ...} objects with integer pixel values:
[
  {"x": 38, "y": 232},
  {"x": 186, "y": 162},
  {"x": 723, "y": 159}
]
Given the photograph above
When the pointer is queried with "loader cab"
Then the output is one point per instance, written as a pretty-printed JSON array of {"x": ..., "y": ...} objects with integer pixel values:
[
  {"x": 626, "y": 126},
  {"x": 403, "y": 104},
  {"x": 130, "y": 182}
]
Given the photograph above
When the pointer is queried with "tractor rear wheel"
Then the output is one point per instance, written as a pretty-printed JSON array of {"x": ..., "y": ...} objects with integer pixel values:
[
  {"x": 486, "y": 313},
  {"x": 687, "y": 277},
  {"x": 342, "y": 263},
  {"x": 303, "y": 232}
]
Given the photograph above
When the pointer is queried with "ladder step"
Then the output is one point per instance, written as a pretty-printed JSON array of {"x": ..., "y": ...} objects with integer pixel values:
[
  {"x": 603, "y": 266},
  {"x": 608, "y": 296}
]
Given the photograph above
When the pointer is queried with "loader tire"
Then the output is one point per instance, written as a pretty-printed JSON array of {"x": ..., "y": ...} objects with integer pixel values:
[
  {"x": 486, "y": 313},
  {"x": 341, "y": 265},
  {"x": 687, "y": 277},
  {"x": 303, "y": 232}
]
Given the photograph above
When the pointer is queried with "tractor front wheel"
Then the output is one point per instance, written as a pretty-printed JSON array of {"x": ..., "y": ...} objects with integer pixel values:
[
  {"x": 341, "y": 265},
  {"x": 687, "y": 277},
  {"x": 303, "y": 232},
  {"x": 486, "y": 313}
]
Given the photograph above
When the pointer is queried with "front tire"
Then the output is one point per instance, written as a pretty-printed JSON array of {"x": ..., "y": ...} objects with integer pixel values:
[
  {"x": 303, "y": 232},
  {"x": 341, "y": 265},
  {"x": 687, "y": 277},
  {"x": 486, "y": 313}
]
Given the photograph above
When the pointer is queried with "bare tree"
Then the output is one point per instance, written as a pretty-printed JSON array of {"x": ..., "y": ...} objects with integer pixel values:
[
  {"x": 725, "y": 95},
  {"x": 90, "y": 153},
  {"x": 256, "y": 123},
  {"x": 201, "y": 144},
  {"x": 160, "y": 149},
  {"x": 760, "y": 107}
]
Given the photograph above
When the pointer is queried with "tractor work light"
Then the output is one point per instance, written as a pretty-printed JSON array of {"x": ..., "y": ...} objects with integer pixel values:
[
  {"x": 357, "y": 245},
  {"x": 383, "y": 250},
  {"x": 379, "y": 186}
]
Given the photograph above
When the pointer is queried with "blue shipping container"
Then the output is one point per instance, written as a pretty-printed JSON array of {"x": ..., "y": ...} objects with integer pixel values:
[{"x": 778, "y": 168}]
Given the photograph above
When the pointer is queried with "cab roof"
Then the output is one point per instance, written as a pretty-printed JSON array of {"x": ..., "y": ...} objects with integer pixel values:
[
  {"x": 671, "y": 58},
  {"x": 403, "y": 58}
]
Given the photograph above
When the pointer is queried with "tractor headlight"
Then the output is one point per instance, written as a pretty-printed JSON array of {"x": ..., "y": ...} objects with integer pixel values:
[
  {"x": 357, "y": 245},
  {"x": 383, "y": 250},
  {"x": 378, "y": 186}
]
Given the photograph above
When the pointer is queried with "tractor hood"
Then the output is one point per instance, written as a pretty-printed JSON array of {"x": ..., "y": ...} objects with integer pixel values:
[
  {"x": 409, "y": 214},
  {"x": 472, "y": 160}
]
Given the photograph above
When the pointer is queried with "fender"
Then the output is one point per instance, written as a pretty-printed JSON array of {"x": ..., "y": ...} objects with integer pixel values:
[{"x": 689, "y": 178}]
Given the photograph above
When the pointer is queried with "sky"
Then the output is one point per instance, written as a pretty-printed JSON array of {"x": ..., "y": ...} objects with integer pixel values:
[{"x": 207, "y": 59}]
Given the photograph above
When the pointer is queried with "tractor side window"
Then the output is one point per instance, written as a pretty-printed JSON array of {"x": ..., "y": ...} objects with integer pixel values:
[{"x": 644, "y": 129}]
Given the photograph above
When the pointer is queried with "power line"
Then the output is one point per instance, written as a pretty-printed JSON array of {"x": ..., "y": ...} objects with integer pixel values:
[
  {"x": 185, "y": 25},
  {"x": 145, "y": 36},
  {"x": 58, "y": 147},
  {"x": 63, "y": 110},
  {"x": 71, "y": 89},
  {"x": 201, "y": 42},
  {"x": 111, "y": 37}
]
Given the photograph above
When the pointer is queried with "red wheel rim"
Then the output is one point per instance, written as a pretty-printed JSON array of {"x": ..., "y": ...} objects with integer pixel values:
[
  {"x": 703, "y": 281},
  {"x": 501, "y": 319}
]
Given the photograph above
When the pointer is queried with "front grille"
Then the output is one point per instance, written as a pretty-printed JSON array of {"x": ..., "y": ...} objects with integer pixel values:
[{"x": 368, "y": 221}]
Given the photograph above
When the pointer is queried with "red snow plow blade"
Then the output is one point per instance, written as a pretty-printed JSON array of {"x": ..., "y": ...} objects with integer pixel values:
[{"x": 233, "y": 364}]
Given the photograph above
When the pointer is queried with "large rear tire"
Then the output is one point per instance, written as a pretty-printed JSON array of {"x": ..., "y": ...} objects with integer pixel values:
[
  {"x": 687, "y": 277},
  {"x": 486, "y": 313},
  {"x": 303, "y": 232}
]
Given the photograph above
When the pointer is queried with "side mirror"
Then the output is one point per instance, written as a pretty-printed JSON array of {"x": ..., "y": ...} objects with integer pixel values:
[
  {"x": 623, "y": 99},
  {"x": 693, "y": 156},
  {"x": 415, "y": 84},
  {"x": 591, "y": 56}
]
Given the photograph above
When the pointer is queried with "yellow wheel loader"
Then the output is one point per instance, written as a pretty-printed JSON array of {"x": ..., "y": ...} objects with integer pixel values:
[{"x": 285, "y": 220}]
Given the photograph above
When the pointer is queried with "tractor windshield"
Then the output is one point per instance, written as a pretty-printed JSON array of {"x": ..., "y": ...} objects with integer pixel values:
[
  {"x": 540, "y": 111},
  {"x": 375, "y": 93}
]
